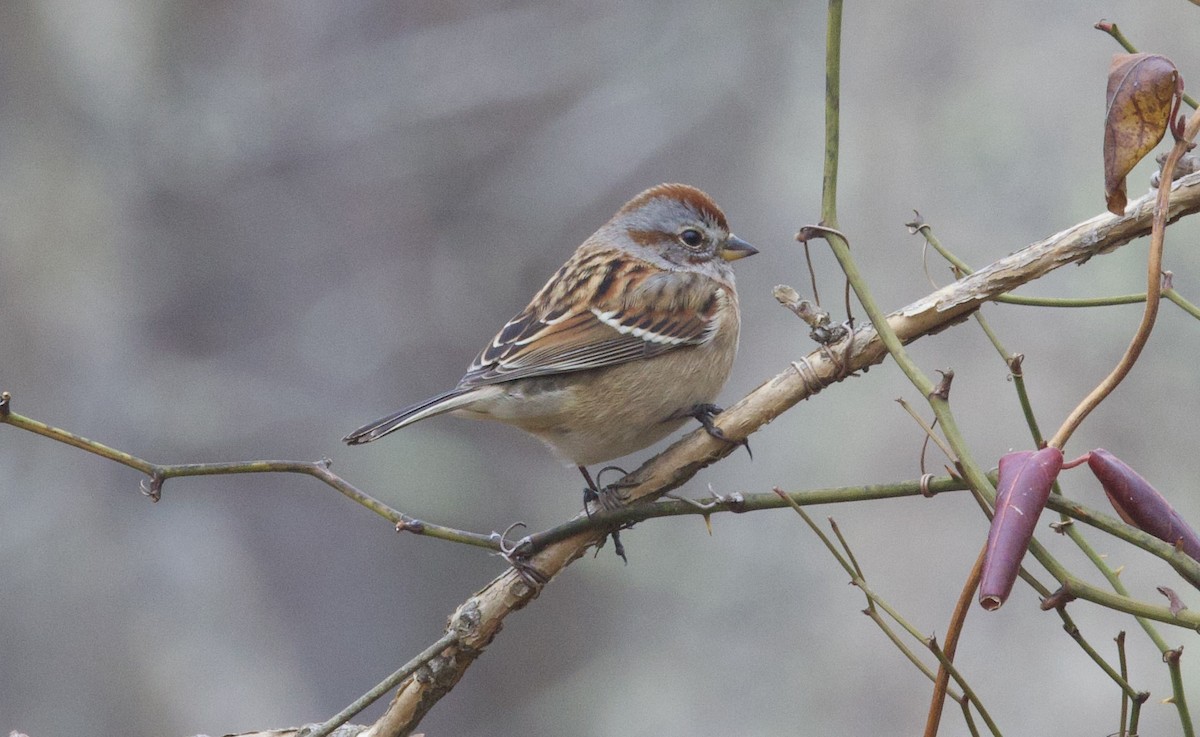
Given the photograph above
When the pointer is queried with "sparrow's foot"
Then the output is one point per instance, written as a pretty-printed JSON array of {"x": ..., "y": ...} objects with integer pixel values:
[
  {"x": 607, "y": 497},
  {"x": 704, "y": 414}
]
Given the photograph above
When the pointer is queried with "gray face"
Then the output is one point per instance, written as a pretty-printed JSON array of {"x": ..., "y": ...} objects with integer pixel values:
[{"x": 674, "y": 235}]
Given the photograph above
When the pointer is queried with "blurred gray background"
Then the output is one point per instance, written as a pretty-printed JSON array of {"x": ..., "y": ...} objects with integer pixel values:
[{"x": 239, "y": 230}]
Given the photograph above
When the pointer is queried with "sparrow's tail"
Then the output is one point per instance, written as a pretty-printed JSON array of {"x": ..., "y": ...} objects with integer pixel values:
[{"x": 435, "y": 405}]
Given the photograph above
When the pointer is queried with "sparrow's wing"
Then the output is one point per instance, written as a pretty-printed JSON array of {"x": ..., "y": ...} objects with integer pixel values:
[{"x": 601, "y": 308}]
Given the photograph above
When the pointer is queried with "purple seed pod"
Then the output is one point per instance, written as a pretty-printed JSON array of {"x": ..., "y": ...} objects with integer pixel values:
[
  {"x": 1139, "y": 504},
  {"x": 1025, "y": 480}
]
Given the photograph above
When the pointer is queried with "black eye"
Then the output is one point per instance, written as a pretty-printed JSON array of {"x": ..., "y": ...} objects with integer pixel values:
[{"x": 691, "y": 237}]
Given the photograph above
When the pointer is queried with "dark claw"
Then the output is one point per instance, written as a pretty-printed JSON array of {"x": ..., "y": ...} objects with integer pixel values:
[
  {"x": 704, "y": 414},
  {"x": 618, "y": 546}
]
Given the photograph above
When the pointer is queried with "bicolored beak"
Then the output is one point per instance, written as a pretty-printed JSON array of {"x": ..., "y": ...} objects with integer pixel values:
[{"x": 736, "y": 248}]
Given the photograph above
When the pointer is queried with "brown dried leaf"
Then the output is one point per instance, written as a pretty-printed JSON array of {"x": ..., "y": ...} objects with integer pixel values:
[{"x": 1142, "y": 91}]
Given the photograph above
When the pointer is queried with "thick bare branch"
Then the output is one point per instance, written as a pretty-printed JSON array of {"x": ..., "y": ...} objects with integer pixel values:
[{"x": 678, "y": 463}]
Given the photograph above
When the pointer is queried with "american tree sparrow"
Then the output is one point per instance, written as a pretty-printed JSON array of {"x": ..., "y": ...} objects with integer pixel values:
[{"x": 636, "y": 332}]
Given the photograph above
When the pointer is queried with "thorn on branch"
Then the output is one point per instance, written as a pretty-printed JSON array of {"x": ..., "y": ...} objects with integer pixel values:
[
  {"x": 1168, "y": 279},
  {"x": 1176, "y": 604},
  {"x": 942, "y": 390},
  {"x": 1058, "y": 599},
  {"x": 5, "y": 404}
]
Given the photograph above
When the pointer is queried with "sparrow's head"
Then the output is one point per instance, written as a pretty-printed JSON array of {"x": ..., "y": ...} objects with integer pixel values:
[{"x": 677, "y": 227}]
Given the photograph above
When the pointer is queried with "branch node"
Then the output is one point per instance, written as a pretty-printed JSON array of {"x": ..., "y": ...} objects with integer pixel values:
[
  {"x": 153, "y": 488},
  {"x": 808, "y": 232},
  {"x": 5, "y": 404},
  {"x": 1014, "y": 365},
  {"x": 917, "y": 224},
  {"x": 408, "y": 524},
  {"x": 1061, "y": 526}
]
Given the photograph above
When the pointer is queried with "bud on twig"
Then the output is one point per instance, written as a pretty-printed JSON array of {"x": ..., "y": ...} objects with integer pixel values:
[
  {"x": 1140, "y": 504},
  {"x": 1025, "y": 480}
]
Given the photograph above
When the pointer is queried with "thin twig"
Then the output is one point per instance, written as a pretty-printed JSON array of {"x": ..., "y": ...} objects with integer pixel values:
[
  {"x": 927, "y": 428},
  {"x": 1072, "y": 629},
  {"x": 159, "y": 473},
  {"x": 968, "y": 692},
  {"x": 850, "y": 565},
  {"x": 938, "y": 700},
  {"x": 961, "y": 267},
  {"x": 1178, "y": 299},
  {"x": 696, "y": 450},
  {"x": 379, "y": 689},
  {"x": 1178, "y": 695},
  {"x": 1120, "y": 640},
  {"x": 1075, "y": 588},
  {"x": 1112, "y": 30},
  {"x": 1153, "y": 294}
]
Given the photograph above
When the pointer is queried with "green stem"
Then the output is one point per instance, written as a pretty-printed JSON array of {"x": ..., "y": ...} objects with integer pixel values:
[
  {"x": 1073, "y": 587},
  {"x": 966, "y": 710},
  {"x": 1112, "y": 30},
  {"x": 856, "y": 578},
  {"x": 1153, "y": 294},
  {"x": 1127, "y": 691},
  {"x": 1072, "y": 302},
  {"x": 962, "y": 267},
  {"x": 968, "y": 692},
  {"x": 1178, "y": 299},
  {"x": 1178, "y": 695},
  {"x": 833, "y": 76},
  {"x": 382, "y": 687}
]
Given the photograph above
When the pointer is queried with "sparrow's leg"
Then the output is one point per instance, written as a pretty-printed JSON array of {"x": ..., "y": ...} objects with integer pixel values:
[
  {"x": 704, "y": 413},
  {"x": 607, "y": 497}
]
